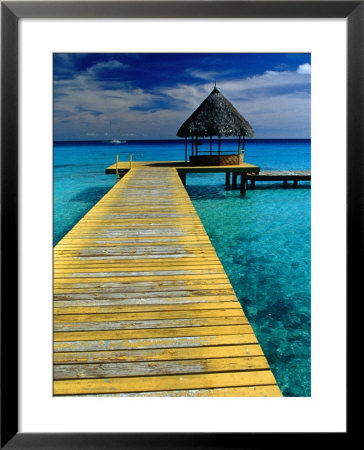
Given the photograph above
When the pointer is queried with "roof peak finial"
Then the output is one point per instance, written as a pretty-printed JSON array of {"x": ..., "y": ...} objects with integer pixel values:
[{"x": 215, "y": 88}]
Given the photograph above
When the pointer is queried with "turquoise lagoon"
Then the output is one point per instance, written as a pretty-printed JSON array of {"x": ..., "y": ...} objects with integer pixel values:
[{"x": 263, "y": 239}]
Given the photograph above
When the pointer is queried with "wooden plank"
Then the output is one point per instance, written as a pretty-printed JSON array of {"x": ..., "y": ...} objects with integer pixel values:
[
  {"x": 148, "y": 296},
  {"x": 247, "y": 337},
  {"x": 70, "y": 309},
  {"x": 131, "y": 271},
  {"x": 66, "y": 300},
  {"x": 250, "y": 391},
  {"x": 134, "y": 240},
  {"x": 139, "y": 263},
  {"x": 136, "y": 324},
  {"x": 142, "y": 369},
  {"x": 217, "y": 331},
  {"x": 150, "y": 289},
  {"x": 159, "y": 354},
  {"x": 139, "y": 277},
  {"x": 168, "y": 382},
  {"x": 147, "y": 315}
]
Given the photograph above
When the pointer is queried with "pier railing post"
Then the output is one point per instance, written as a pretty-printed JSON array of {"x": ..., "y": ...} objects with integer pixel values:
[
  {"x": 130, "y": 159},
  {"x": 116, "y": 168}
]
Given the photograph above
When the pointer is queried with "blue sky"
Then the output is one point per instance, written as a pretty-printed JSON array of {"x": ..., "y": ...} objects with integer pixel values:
[{"x": 150, "y": 95}]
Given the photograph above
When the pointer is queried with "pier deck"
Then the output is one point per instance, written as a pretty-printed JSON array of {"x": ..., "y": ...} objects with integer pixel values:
[
  {"x": 183, "y": 167},
  {"x": 247, "y": 172},
  {"x": 142, "y": 304}
]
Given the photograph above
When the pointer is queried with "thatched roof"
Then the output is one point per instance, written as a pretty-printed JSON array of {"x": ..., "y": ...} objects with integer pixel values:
[{"x": 216, "y": 116}]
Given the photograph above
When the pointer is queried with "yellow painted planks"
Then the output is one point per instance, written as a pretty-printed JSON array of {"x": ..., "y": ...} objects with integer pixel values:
[
  {"x": 157, "y": 368},
  {"x": 142, "y": 305},
  {"x": 163, "y": 382},
  {"x": 249, "y": 391},
  {"x": 92, "y": 309},
  {"x": 154, "y": 342},
  {"x": 217, "y": 331}
]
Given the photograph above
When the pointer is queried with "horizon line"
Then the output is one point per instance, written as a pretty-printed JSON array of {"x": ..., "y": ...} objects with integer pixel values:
[{"x": 179, "y": 139}]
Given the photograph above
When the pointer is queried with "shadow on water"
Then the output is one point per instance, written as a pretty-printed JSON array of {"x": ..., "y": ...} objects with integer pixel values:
[
  {"x": 278, "y": 185},
  {"x": 91, "y": 194},
  {"x": 221, "y": 192},
  {"x": 206, "y": 192},
  {"x": 63, "y": 166}
]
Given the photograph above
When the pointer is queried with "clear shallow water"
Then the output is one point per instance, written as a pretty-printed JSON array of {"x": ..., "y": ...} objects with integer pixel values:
[
  {"x": 263, "y": 242},
  {"x": 262, "y": 239}
]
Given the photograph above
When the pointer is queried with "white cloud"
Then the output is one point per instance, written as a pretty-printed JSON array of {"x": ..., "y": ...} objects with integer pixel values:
[
  {"x": 105, "y": 65},
  {"x": 208, "y": 75},
  {"x": 304, "y": 69},
  {"x": 202, "y": 75},
  {"x": 260, "y": 84}
]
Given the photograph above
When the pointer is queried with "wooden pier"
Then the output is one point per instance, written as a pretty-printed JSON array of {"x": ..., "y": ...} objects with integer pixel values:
[
  {"x": 280, "y": 175},
  {"x": 238, "y": 176},
  {"x": 184, "y": 168},
  {"x": 142, "y": 304}
]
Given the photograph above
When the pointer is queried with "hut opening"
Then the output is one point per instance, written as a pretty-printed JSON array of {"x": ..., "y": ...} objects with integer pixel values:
[{"x": 215, "y": 117}]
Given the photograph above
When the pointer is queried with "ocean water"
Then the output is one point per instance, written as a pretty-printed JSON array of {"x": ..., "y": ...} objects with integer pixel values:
[{"x": 262, "y": 239}]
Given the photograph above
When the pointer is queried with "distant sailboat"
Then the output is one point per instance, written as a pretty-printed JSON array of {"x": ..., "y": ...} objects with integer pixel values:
[{"x": 116, "y": 141}]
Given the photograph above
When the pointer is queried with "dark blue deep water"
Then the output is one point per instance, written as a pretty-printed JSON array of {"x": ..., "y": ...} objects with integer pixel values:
[{"x": 262, "y": 239}]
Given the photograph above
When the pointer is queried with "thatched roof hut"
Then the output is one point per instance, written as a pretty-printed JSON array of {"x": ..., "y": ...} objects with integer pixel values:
[{"x": 216, "y": 116}]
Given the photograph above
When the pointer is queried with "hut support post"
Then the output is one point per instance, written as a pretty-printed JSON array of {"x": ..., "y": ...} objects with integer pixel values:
[
  {"x": 235, "y": 177},
  {"x": 196, "y": 143},
  {"x": 186, "y": 149},
  {"x": 192, "y": 145},
  {"x": 219, "y": 148},
  {"x": 243, "y": 151},
  {"x": 239, "y": 150},
  {"x": 243, "y": 183},
  {"x": 210, "y": 145},
  {"x": 227, "y": 179}
]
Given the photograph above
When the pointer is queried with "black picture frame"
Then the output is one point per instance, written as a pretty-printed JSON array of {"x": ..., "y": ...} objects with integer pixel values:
[{"x": 11, "y": 12}]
